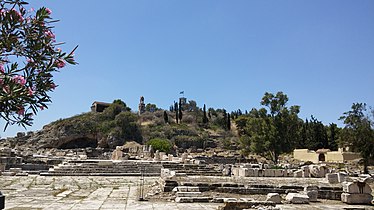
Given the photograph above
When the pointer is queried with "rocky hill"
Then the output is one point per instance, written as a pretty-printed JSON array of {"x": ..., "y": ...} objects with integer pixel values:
[{"x": 117, "y": 125}]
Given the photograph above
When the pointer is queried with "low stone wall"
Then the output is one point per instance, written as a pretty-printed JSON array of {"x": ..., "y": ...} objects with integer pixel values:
[
  {"x": 329, "y": 193},
  {"x": 225, "y": 160}
]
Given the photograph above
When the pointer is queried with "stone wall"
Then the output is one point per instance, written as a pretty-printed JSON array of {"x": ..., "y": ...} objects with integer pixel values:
[{"x": 305, "y": 155}]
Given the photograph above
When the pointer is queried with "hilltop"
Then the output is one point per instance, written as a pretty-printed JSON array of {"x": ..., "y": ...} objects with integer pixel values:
[{"x": 117, "y": 124}]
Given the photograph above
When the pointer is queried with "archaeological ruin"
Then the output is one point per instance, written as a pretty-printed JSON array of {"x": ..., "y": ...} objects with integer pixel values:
[{"x": 201, "y": 179}]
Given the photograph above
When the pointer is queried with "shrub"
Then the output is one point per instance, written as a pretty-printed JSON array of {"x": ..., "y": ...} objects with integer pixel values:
[{"x": 162, "y": 145}]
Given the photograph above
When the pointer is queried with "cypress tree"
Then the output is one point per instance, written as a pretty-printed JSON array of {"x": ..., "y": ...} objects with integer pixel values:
[
  {"x": 176, "y": 111},
  {"x": 205, "y": 119},
  {"x": 228, "y": 122},
  {"x": 180, "y": 112},
  {"x": 166, "y": 117}
]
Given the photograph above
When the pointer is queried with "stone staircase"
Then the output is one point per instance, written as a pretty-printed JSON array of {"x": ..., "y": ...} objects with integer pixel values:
[
  {"x": 128, "y": 168},
  {"x": 189, "y": 194},
  {"x": 192, "y": 169},
  {"x": 105, "y": 168}
]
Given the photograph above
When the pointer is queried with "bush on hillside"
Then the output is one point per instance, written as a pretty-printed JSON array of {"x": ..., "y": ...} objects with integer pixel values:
[{"x": 162, "y": 145}]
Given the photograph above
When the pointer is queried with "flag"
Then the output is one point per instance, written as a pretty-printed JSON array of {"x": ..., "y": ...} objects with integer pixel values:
[{"x": 182, "y": 92}]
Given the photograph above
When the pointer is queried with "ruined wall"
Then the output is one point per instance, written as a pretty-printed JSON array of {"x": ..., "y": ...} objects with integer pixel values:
[
  {"x": 337, "y": 156},
  {"x": 305, "y": 155},
  {"x": 334, "y": 156},
  {"x": 351, "y": 156}
]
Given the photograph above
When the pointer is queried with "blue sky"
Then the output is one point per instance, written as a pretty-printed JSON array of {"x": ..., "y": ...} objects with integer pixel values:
[{"x": 225, "y": 54}]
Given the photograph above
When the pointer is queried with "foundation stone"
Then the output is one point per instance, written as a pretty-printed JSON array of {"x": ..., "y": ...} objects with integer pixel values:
[
  {"x": 356, "y": 193},
  {"x": 274, "y": 197},
  {"x": 297, "y": 198}
]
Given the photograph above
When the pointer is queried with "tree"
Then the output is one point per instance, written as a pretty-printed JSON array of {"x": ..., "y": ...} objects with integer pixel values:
[
  {"x": 205, "y": 118},
  {"x": 190, "y": 106},
  {"x": 126, "y": 122},
  {"x": 333, "y": 134},
  {"x": 162, "y": 145},
  {"x": 176, "y": 111},
  {"x": 151, "y": 107},
  {"x": 166, "y": 117},
  {"x": 314, "y": 135},
  {"x": 273, "y": 131},
  {"x": 228, "y": 122},
  {"x": 29, "y": 56},
  {"x": 180, "y": 114},
  {"x": 358, "y": 132}
]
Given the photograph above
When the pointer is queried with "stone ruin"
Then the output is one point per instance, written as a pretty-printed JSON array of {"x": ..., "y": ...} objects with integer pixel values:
[
  {"x": 197, "y": 179},
  {"x": 141, "y": 106},
  {"x": 356, "y": 192}
]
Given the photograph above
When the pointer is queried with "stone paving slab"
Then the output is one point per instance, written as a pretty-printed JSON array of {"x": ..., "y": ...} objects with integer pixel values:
[{"x": 99, "y": 193}]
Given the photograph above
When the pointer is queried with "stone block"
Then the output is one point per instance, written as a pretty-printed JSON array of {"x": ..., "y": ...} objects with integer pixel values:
[
  {"x": 15, "y": 170},
  {"x": 105, "y": 163},
  {"x": 356, "y": 188},
  {"x": 170, "y": 157},
  {"x": 188, "y": 194},
  {"x": 305, "y": 170},
  {"x": 255, "y": 172},
  {"x": 342, "y": 177},
  {"x": 269, "y": 172},
  {"x": 332, "y": 178},
  {"x": 298, "y": 173},
  {"x": 366, "y": 178},
  {"x": 192, "y": 199},
  {"x": 2, "y": 167},
  {"x": 223, "y": 200},
  {"x": 243, "y": 172},
  {"x": 279, "y": 173},
  {"x": 187, "y": 189},
  {"x": 274, "y": 197},
  {"x": 176, "y": 159},
  {"x": 312, "y": 193},
  {"x": 250, "y": 172},
  {"x": 8, "y": 173},
  {"x": 289, "y": 173},
  {"x": 235, "y": 171},
  {"x": 261, "y": 173},
  {"x": 297, "y": 198},
  {"x": 356, "y": 198}
]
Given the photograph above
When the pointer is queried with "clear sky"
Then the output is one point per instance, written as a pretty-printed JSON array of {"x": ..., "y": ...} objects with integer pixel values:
[{"x": 225, "y": 54}]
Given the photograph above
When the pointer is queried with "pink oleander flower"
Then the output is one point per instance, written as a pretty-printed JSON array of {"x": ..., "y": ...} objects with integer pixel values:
[
  {"x": 60, "y": 63},
  {"x": 49, "y": 11},
  {"x": 21, "y": 111},
  {"x": 49, "y": 34},
  {"x": 53, "y": 86},
  {"x": 41, "y": 107},
  {"x": 31, "y": 91},
  {"x": 6, "y": 89},
  {"x": 20, "y": 18},
  {"x": 19, "y": 79},
  {"x": 2, "y": 70}
]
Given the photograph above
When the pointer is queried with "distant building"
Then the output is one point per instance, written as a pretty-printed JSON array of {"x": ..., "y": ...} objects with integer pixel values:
[
  {"x": 325, "y": 155},
  {"x": 99, "y": 106},
  {"x": 183, "y": 101},
  {"x": 141, "y": 106}
]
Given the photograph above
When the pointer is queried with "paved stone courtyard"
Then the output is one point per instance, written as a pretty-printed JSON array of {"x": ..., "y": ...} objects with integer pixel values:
[
  {"x": 82, "y": 192},
  {"x": 98, "y": 192}
]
